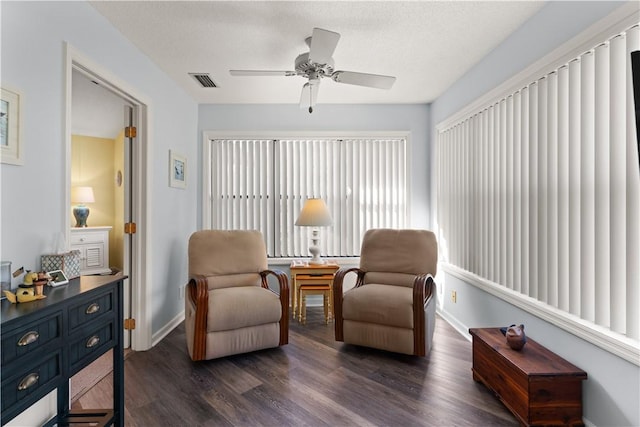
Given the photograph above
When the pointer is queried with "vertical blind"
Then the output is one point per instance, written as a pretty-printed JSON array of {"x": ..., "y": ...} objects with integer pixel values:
[
  {"x": 539, "y": 191},
  {"x": 242, "y": 195},
  {"x": 263, "y": 184}
]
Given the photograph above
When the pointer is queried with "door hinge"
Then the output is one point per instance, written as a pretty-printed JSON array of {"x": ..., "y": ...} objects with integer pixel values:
[
  {"x": 130, "y": 228},
  {"x": 130, "y": 132},
  {"x": 129, "y": 324}
]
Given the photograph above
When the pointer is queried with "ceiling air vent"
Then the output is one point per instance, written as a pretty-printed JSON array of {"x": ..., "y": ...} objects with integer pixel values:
[{"x": 203, "y": 79}]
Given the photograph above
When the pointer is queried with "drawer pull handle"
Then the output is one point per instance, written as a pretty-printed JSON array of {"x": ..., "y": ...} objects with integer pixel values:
[
  {"x": 93, "y": 308},
  {"x": 93, "y": 341},
  {"x": 28, "y": 381},
  {"x": 28, "y": 338}
]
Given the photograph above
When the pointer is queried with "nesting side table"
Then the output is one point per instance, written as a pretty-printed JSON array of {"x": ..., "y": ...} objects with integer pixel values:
[{"x": 312, "y": 275}]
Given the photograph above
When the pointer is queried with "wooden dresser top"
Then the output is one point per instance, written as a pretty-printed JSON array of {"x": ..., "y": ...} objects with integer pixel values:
[{"x": 56, "y": 295}]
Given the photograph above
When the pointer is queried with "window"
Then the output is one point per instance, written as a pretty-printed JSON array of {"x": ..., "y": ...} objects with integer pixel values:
[
  {"x": 539, "y": 192},
  {"x": 262, "y": 184}
]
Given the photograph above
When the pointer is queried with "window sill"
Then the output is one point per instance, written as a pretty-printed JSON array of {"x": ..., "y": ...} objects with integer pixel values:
[
  {"x": 342, "y": 261},
  {"x": 612, "y": 342}
]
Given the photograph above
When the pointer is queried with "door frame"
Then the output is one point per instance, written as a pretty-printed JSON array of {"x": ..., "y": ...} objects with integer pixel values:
[{"x": 141, "y": 336}]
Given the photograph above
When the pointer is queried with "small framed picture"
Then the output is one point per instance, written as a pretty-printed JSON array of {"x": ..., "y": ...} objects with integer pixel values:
[
  {"x": 57, "y": 278},
  {"x": 10, "y": 148},
  {"x": 177, "y": 170}
]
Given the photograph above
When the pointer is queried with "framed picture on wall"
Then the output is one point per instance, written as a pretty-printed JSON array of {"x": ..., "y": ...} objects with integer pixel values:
[
  {"x": 177, "y": 170},
  {"x": 10, "y": 149}
]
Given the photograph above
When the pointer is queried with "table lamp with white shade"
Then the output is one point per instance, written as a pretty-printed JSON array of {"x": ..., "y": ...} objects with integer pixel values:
[
  {"x": 81, "y": 195},
  {"x": 315, "y": 214}
]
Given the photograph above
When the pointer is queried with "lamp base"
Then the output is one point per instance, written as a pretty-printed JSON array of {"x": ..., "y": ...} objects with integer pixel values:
[
  {"x": 314, "y": 250},
  {"x": 81, "y": 213}
]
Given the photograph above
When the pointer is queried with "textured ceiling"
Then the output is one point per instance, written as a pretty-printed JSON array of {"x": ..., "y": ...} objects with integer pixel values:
[{"x": 427, "y": 45}]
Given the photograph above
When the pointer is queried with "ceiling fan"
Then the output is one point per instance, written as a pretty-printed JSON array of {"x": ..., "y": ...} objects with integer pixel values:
[{"x": 317, "y": 64}]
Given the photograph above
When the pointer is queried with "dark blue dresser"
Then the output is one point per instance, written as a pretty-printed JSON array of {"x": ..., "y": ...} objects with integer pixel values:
[{"x": 46, "y": 342}]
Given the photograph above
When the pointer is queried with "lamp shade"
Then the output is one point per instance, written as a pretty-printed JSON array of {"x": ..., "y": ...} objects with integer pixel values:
[
  {"x": 82, "y": 195},
  {"x": 314, "y": 214}
]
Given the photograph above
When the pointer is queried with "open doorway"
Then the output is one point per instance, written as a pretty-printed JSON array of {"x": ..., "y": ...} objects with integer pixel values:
[
  {"x": 98, "y": 168},
  {"x": 115, "y": 161}
]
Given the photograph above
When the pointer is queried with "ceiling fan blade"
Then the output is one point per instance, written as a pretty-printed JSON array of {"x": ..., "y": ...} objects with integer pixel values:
[
  {"x": 309, "y": 94},
  {"x": 363, "y": 79},
  {"x": 261, "y": 73},
  {"x": 323, "y": 43}
]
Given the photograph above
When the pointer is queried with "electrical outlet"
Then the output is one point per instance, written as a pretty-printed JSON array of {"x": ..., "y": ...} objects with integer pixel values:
[{"x": 454, "y": 297}]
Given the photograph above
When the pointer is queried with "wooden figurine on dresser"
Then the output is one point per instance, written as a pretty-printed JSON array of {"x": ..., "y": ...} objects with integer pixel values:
[{"x": 31, "y": 288}]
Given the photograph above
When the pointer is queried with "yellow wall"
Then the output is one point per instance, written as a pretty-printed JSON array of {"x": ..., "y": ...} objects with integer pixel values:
[{"x": 94, "y": 162}]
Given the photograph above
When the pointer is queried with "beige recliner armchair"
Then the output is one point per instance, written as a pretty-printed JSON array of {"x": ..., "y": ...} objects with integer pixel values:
[
  {"x": 229, "y": 308},
  {"x": 392, "y": 306}
]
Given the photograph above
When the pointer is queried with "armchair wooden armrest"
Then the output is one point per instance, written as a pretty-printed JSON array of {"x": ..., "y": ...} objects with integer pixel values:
[
  {"x": 423, "y": 292},
  {"x": 419, "y": 303},
  {"x": 338, "y": 279},
  {"x": 198, "y": 296},
  {"x": 283, "y": 283}
]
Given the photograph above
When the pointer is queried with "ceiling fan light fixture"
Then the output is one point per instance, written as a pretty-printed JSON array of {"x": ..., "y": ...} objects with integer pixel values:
[{"x": 317, "y": 64}]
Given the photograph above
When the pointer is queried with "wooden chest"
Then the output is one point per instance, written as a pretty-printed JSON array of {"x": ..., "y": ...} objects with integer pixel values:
[{"x": 536, "y": 385}]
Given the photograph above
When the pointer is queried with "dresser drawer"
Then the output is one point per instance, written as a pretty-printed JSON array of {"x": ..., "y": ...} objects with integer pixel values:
[
  {"x": 86, "y": 237},
  {"x": 29, "y": 338},
  {"x": 87, "y": 347},
  {"x": 90, "y": 309},
  {"x": 25, "y": 383}
]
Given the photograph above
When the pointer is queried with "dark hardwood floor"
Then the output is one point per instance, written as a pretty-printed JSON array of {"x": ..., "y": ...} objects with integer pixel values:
[{"x": 312, "y": 381}]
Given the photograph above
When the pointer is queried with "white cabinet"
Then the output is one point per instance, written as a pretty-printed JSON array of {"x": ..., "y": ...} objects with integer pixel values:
[{"x": 93, "y": 244}]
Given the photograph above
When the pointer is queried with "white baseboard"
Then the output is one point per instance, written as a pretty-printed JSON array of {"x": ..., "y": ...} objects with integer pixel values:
[
  {"x": 457, "y": 325},
  {"x": 166, "y": 329}
]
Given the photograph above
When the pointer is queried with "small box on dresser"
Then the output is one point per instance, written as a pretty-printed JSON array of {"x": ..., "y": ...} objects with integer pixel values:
[
  {"x": 68, "y": 262},
  {"x": 536, "y": 385}
]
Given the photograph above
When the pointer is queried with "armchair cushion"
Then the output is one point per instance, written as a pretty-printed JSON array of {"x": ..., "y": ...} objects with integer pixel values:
[
  {"x": 222, "y": 252},
  {"x": 395, "y": 279},
  {"x": 399, "y": 251},
  {"x": 380, "y": 304},
  {"x": 240, "y": 307},
  {"x": 233, "y": 280}
]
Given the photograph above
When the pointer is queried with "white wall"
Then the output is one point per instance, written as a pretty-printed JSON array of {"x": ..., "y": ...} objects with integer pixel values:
[
  {"x": 612, "y": 391},
  {"x": 33, "y": 37},
  {"x": 333, "y": 117}
]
